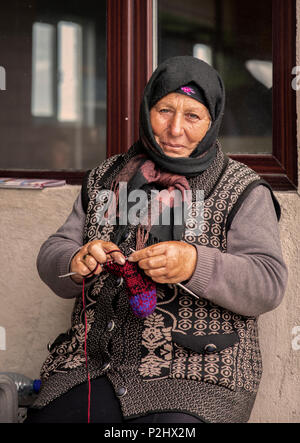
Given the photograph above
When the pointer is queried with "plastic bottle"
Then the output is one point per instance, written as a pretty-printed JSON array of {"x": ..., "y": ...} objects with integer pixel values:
[{"x": 26, "y": 387}]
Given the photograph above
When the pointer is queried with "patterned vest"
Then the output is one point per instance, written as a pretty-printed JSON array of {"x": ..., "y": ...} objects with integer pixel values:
[{"x": 190, "y": 354}]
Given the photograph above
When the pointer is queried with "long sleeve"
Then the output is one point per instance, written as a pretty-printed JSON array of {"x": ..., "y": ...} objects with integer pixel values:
[
  {"x": 250, "y": 278},
  {"x": 57, "y": 251}
]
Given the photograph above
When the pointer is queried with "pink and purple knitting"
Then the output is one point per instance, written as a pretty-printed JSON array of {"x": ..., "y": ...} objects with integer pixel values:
[{"x": 141, "y": 289}]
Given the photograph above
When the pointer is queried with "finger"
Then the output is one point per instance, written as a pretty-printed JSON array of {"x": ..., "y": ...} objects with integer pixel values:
[
  {"x": 163, "y": 280},
  {"x": 150, "y": 251},
  {"x": 92, "y": 264},
  {"x": 89, "y": 261},
  {"x": 86, "y": 271},
  {"x": 156, "y": 273},
  {"x": 155, "y": 262},
  {"x": 78, "y": 266},
  {"x": 96, "y": 271},
  {"x": 166, "y": 272},
  {"x": 96, "y": 250},
  {"x": 113, "y": 252},
  {"x": 83, "y": 270},
  {"x": 100, "y": 250}
]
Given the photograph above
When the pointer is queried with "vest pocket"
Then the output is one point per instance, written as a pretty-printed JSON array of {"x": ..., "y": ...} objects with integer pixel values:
[{"x": 209, "y": 358}]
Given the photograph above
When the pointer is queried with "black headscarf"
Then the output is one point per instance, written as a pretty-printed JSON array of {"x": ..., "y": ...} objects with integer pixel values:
[{"x": 168, "y": 77}]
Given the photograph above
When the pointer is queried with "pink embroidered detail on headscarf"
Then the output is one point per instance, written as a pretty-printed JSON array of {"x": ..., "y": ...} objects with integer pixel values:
[{"x": 187, "y": 90}]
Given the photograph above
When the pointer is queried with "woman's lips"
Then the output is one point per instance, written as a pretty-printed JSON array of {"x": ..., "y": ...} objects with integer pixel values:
[{"x": 171, "y": 145}]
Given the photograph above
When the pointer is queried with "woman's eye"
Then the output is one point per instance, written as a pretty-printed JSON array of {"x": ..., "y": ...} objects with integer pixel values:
[
  {"x": 193, "y": 116},
  {"x": 163, "y": 111}
]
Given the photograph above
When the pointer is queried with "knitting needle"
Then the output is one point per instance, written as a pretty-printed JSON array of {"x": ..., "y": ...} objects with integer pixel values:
[
  {"x": 187, "y": 290},
  {"x": 178, "y": 284},
  {"x": 68, "y": 275},
  {"x": 74, "y": 273}
]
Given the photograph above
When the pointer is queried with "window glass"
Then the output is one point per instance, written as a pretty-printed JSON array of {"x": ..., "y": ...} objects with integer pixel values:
[
  {"x": 235, "y": 38},
  {"x": 53, "y": 109}
]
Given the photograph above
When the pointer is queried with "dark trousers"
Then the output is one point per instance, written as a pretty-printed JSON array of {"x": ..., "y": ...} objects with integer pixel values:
[{"x": 72, "y": 407}]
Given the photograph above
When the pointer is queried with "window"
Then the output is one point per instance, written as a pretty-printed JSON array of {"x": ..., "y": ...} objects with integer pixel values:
[
  {"x": 63, "y": 115},
  {"x": 242, "y": 40},
  {"x": 221, "y": 33},
  {"x": 59, "y": 94},
  {"x": 54, "y": 54}
]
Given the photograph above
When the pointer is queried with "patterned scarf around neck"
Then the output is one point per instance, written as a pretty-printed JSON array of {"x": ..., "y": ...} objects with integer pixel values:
[{"x": 141, "y": 173}]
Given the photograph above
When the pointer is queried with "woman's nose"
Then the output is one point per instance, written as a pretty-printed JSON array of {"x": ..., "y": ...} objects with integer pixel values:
[{"x": 176, "y": 125}]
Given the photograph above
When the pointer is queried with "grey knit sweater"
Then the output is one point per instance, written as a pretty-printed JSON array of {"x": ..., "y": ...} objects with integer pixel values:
[{"x": 253, "y": 247}]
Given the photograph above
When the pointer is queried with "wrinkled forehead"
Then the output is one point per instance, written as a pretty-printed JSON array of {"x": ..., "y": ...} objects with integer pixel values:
[{"x": 175, "y": 100}]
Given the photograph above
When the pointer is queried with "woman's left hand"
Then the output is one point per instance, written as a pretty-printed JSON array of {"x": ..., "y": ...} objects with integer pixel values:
[{"x": 167, "y": 262}]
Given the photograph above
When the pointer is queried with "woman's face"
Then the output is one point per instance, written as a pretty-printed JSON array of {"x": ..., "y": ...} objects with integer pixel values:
[{"x": 179, "y": 123}]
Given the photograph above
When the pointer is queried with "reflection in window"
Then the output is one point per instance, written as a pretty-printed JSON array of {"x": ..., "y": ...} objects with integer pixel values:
[
  {"x": 203, "y": 52},
  {"x": 221, "y": 32},
  {"x": 69, "y": 66},
  {"x": 2, "y": 79},
  {"x": 262, "y": 71},
  {"x": 42, "y": 103},
  {"x": 69, "y": 69}
]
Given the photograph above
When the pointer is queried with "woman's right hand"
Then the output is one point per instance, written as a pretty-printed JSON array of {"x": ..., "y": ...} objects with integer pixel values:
[{"x": 90, "y": 255}]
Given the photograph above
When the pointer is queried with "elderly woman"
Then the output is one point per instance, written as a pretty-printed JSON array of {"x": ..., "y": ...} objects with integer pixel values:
[{"x": 167, "y": 333}]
